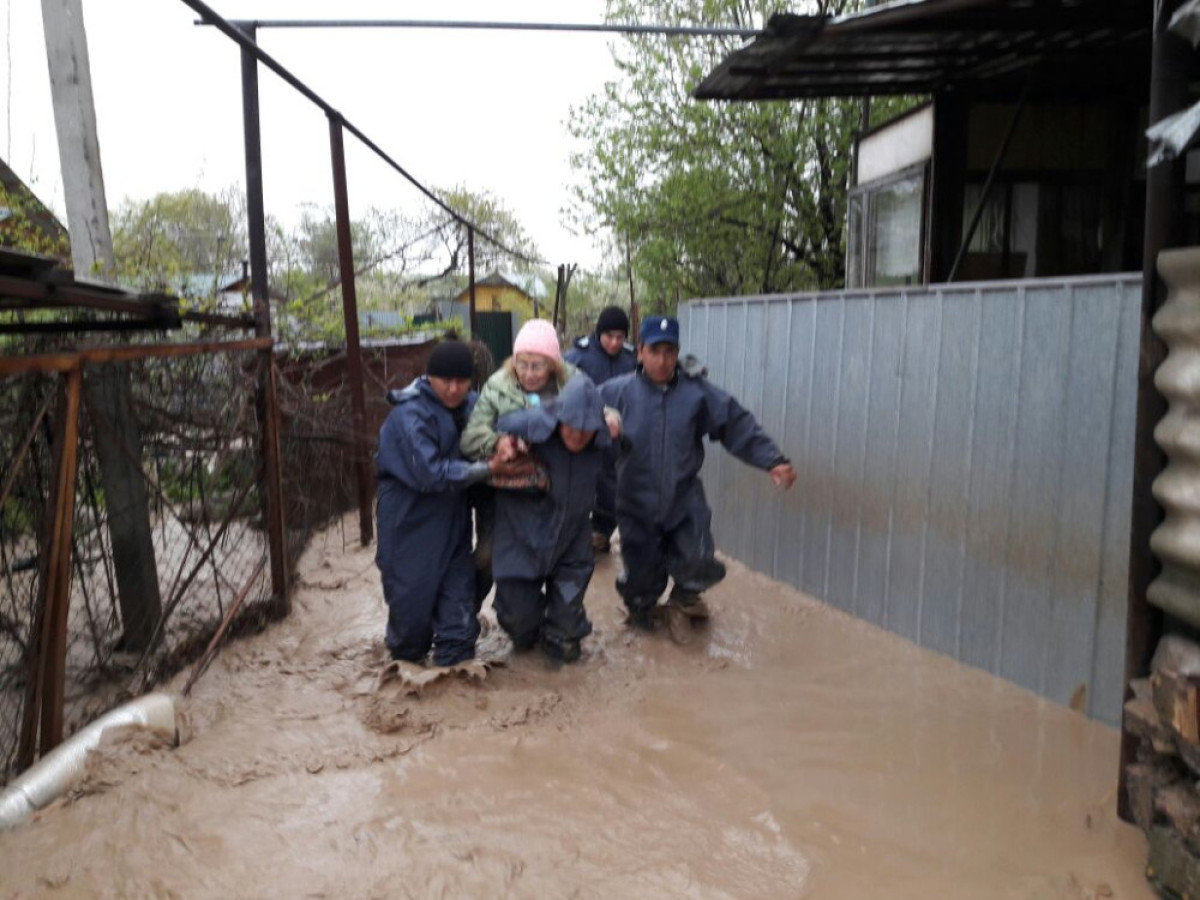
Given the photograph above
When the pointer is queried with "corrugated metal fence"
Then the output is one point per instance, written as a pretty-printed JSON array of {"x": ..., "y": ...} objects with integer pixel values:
[{"x": 965, "y": 455}]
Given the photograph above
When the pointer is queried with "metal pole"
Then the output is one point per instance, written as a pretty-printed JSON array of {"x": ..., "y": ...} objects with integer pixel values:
[
  {"x": 58, "y": 589},
  {"x": 266, "y": 407},
  {"x": 1169, "y": 67},
  {"x": 669, "y": 30},
  {"x": 242, "y": 34},
  {"x": 354, "y": 364},
  {"x": 471, "y": 282}
]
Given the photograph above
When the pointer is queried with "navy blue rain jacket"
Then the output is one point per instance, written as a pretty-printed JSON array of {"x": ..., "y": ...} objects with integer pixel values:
[
  {"x": 423, "y": 513},
  {"x": 589, "y": 355},
  {"x": 662, "y": 444},
  {"x": 534, "y": 530}
]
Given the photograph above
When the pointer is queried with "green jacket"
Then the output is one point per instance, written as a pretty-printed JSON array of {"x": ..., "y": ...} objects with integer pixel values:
[{"x": 501, "y": 394}]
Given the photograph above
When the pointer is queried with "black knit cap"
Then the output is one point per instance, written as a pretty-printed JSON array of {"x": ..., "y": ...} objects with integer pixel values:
[
  {"x": 451, "y": 359},
  {"x": 612, "y": 318}
]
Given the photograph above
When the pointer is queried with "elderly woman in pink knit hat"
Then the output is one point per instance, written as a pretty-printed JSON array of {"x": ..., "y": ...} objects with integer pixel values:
[{"x": 532, "y": 375}]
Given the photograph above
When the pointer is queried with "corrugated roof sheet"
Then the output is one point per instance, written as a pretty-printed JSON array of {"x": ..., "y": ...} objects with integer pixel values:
[{"x": 927, "y": 46}]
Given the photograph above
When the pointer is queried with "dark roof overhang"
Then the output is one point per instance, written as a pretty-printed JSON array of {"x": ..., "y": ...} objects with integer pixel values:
[{"x": 935, "y": 46}]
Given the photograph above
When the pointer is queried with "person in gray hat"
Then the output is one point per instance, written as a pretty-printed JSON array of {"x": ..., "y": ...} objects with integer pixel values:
[
  {"x": 543, "y": 559},
  {"x": 664, "y": 518}
]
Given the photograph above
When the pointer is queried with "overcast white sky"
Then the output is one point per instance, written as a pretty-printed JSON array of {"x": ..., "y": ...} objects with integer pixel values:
[{"x": 486, "y": 110}]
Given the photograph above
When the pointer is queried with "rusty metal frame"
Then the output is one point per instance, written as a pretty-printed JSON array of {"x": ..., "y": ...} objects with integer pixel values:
[
  {"x": 68, "y": 360},
  {"x": 205, "y": 658},
  {"x": 45, "y": 688},
  {"x": 266, "y": 403},
  {"x": 354, "y": 365},
  {"x": 242, "y": 33},
  {"x": 42, "y": 717}
]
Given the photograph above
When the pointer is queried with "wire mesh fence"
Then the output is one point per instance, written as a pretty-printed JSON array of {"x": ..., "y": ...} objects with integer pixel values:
[
  {"x": 168, "y": 534},
  {"x": 167, "y": 527}
]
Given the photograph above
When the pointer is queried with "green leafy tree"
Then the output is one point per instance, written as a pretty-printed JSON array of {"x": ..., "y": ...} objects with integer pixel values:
[
  {"x": 191, "y": 243},
  {"x": 713, "y": 198},
  {"x": 26, "y": 226},
  {"x": 489, "y": 214},
  {"x": 188, "y": 242}
]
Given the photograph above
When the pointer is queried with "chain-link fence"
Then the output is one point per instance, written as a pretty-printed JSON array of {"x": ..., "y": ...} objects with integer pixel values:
[
  {"x": 168, "y": 534},
  {"x": 317, "y": 430},
  {"x": 167, "y": 528}
]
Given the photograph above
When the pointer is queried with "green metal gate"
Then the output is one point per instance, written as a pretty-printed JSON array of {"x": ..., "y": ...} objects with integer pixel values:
[{"x": 496, "y": 330}]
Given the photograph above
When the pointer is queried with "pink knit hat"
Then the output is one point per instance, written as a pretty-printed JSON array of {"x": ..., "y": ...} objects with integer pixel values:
[{"x": 537, "y": 336}]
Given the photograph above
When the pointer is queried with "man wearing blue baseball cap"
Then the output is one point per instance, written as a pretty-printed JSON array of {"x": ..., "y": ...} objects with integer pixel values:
[{"x": 662, "y": 514}]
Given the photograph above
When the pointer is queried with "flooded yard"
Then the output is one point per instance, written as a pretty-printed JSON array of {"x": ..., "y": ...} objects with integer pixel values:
[{"x": 789, "y": 751}]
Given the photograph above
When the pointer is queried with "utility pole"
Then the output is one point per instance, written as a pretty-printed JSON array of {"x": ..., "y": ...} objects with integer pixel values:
[
  {"x": 78, "y": 144},
  {"x": 108, "y": 387}
]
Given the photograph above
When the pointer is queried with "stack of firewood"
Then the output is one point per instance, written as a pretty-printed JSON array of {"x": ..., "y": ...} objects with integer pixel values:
[{"x": 1164, "y": 714}]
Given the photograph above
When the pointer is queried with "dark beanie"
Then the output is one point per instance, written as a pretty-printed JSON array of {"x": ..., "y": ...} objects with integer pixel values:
[
  {"x": 612, "y": 318},
  {"x": 451, "y": 359}
]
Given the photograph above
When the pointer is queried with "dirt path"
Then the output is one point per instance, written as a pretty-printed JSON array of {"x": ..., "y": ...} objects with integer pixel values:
[{"x": 791, "y": 751}]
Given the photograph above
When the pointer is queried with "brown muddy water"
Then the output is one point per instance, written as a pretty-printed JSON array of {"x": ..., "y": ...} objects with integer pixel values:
[{"x": 789, "y": 751}]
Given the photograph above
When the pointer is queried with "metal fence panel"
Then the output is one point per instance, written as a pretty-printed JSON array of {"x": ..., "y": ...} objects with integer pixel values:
[
  {"x": 850, "y": 443},
  {"x": 965, "y": 456},
  {"x": 950, "y": 473},
  {"x": 989, "y": 513},
  {"x": 876, "y": 488}
]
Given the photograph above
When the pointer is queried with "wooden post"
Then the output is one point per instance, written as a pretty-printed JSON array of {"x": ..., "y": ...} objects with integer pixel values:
[
  {"x": 78, "y": 140},
  {"x": 266, "y": 406},
  {"x": 633, "y": 308},
  {"x": 354, "y": 366},
  {"x": 558, "y": 291},
  {"x": 1169, "y": 68},
  {"x": 109, "y": 390},
  {"x": 474, "y": 323}
]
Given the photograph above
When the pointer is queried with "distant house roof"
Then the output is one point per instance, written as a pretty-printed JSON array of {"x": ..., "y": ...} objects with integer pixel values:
[
  {"x": 927, "y": 46},
  {"x": 529, "y": 285}
]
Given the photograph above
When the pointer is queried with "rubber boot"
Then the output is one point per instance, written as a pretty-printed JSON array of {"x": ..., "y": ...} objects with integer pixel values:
[
  {"x": 690, "y": 603},
  {"x": 643, "y": 617}
]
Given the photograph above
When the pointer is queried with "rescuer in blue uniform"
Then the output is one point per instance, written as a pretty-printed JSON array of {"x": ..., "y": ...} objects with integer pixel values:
[
  {"x": 424, "y": 546},
  {"x": 605, "y": 354},
  {"x": 664, "y": 518}
]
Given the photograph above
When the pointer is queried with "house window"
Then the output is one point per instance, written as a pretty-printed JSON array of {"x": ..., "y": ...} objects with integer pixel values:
[
  {"x": 885, "y": 231},
  {"x": 1033, "y": 229}
]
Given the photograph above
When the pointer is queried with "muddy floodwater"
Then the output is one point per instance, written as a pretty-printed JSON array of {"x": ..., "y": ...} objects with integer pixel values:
[{"x": 788, "y": 751}]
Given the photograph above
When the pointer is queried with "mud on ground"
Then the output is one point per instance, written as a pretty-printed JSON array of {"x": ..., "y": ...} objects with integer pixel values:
[{"x": 788, "y": 751}]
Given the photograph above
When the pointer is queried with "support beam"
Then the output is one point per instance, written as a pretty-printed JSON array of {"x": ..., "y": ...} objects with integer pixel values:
[
  {"x": 1169, "y": 75},
  {"x": 78, "y": 143},
  {"x": 44, "y": 690},
  {"x": 474, "y": 323},
  {"x": 354, "y": 366},
  {"x": 265, "y": 405},
  {"x": 56, "y": 589},
  {"x": 109, "y": 390},
  {"x": 67, "y": 360}
]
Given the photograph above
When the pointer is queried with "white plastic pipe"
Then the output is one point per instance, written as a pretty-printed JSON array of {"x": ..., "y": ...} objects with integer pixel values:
[{"x": 50, "y": 777}]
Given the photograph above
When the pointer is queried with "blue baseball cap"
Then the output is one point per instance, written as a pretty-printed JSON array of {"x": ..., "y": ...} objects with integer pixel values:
[{"x": 656, "y": 329}]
